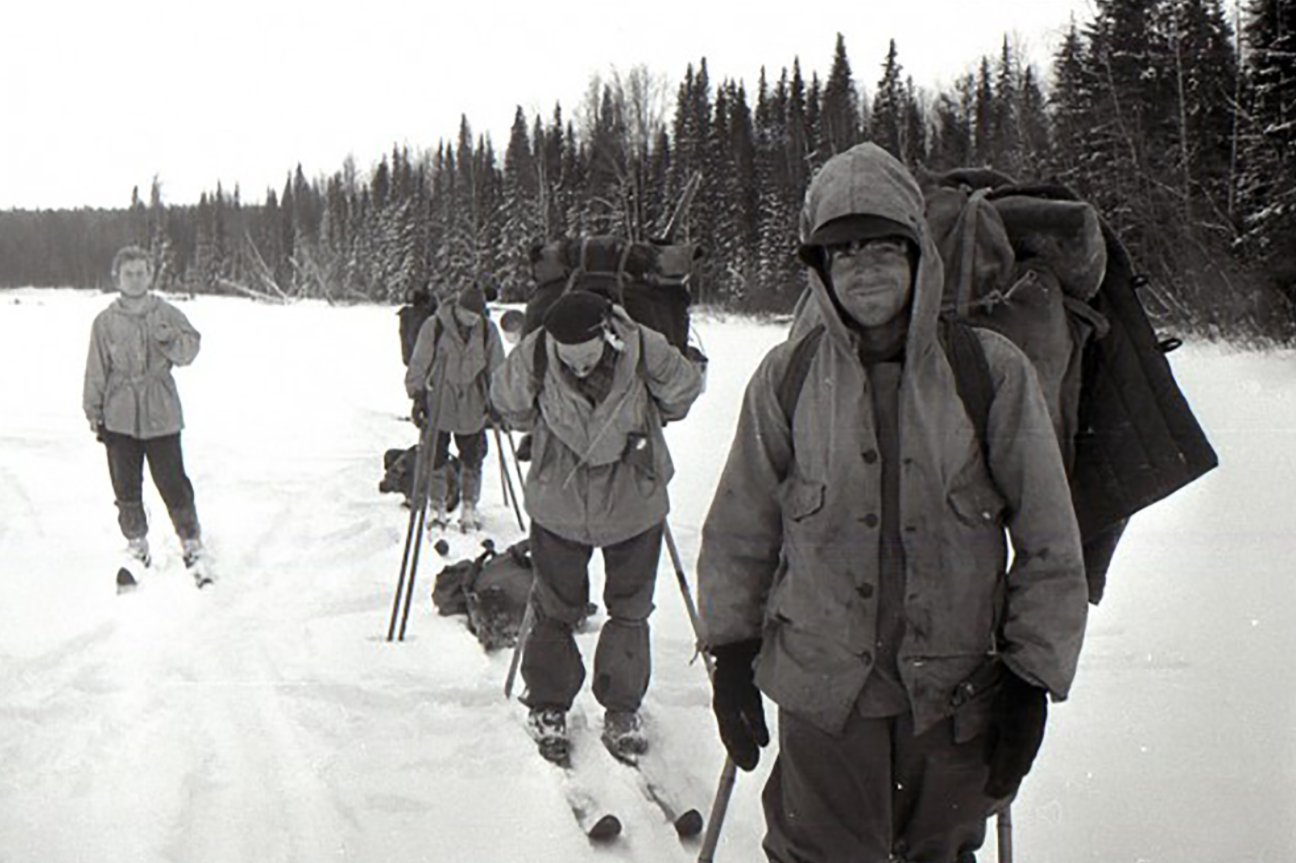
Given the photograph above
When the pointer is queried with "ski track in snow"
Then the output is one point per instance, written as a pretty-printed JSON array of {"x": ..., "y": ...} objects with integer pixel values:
[{"x": 268, "y": 719}]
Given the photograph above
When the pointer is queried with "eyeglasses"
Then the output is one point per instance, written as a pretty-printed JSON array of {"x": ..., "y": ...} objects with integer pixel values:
[{"x": 870, "y": 248}]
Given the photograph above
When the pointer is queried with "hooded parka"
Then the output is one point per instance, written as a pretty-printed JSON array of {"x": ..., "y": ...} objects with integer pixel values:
[
  {"x": 454, "y": 370},
  {"x": 128, "y": 383},
  {"x": 581, "y": 485},
  {"x": 790, "y": 548}
]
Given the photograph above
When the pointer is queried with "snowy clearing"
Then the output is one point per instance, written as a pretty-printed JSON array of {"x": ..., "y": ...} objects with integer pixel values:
[{"x": 268, "y": 719}]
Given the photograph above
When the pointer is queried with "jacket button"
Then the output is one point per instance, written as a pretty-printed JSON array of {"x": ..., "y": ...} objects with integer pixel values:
[
  {"x": 865, "y": 590},
  {"x": 870, "y": 520},
  {"x": 870, "y": 456}
]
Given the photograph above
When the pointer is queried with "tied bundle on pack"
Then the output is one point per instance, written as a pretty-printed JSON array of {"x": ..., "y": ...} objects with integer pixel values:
[{"x": 648, "y": 279}]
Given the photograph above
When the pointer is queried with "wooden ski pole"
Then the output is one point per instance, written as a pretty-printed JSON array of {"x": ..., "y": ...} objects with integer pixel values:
[{"x": 729, "y": 773}]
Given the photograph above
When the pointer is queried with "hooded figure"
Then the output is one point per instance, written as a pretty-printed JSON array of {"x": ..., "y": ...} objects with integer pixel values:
[{"x": 854, "y": 562}]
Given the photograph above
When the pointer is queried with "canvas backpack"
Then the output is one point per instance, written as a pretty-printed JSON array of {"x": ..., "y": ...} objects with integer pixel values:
[
  {"x": 648, "y": 279},
  {"x": 1042, "y": 268}
]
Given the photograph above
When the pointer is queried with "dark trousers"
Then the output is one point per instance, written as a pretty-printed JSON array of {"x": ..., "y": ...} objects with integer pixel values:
[
  {"x": 551, "y": 662},
  {"x": 875, "y": 791},
  {"x": 471, "y": 448},
  {"x": 126, "y": 456}
]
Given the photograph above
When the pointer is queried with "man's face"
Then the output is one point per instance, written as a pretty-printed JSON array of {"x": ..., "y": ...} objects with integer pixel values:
[
  {"x": 872, "y": 278},
  {"x": 581, "y": 358},
  {"x": 467, "y": 317},
  {"x": 134, "y": 278}
]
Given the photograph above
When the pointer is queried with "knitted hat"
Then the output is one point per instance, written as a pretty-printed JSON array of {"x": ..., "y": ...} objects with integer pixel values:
[
  {"x": 472, "y": 299},
  {"x": 577, "y": 316}
]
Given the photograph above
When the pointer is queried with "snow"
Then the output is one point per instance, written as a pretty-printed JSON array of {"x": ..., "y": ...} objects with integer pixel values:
[{"x": 268, "y": 719}]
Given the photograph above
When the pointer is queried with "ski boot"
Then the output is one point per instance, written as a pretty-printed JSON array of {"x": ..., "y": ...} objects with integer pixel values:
[
  {"x": 548, "y": 728},
  {"x": 195, "y": 560},
  {"x": 438, "y": 519},
  {"x": 623, "y": 735},
  {"x": 469, "y": 518},
  {"x": 137, "y": 558},
  {"x": 470, "y": 484}
]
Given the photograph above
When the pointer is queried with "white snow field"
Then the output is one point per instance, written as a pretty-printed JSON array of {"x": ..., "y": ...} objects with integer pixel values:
[{"x": 268, "y": 719}]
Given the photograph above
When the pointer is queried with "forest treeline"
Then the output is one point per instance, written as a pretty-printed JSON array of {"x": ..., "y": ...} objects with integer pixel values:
[{"x": 1178, "y": 123}]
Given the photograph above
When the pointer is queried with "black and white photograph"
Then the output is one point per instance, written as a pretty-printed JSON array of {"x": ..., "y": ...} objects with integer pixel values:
[{"x": 717, "y": 432}]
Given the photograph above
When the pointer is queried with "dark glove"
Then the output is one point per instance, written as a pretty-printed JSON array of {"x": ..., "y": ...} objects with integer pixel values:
[
  {"x": 524, "y": 447},
  {"x": 495, "y": 418},
  {"x": 1020, "y": 710},
  {"x": 100, "y": 431},
  {"x": 737, "y": 703},
  {"x": 418, "y": 411}
]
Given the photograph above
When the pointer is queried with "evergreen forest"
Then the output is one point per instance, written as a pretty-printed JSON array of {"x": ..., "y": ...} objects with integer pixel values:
[{"x": 1177, "y": 121}]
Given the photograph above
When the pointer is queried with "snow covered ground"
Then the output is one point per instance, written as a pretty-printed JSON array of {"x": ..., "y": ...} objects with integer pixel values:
[{"x": 269, "y": 720}]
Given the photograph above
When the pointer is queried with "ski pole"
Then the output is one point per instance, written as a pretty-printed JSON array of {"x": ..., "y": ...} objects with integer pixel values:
[
  {"x": 718, "y": 808},
  {"x": 1003, "y": 826},
  {"x": 433, "y": 439},
  {"x": 729, "y": 773},
  {"x": 528, "y": 620},
  {"x": 509, "y": 493},
  {"x": 418, "y": 513},
  {"x": 499, "y": 448},
  {"x": 528, "y": 616}
]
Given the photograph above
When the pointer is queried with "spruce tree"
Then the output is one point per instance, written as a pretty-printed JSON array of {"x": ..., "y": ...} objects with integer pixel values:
[
  {"x": 888, "y": 118},
  {"x": 839, "y": 115}
]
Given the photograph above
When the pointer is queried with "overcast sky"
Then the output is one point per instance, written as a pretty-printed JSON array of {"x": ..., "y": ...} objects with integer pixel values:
[{"x": 98, "y": 97}]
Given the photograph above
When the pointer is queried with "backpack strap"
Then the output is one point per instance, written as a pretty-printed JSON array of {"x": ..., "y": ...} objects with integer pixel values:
[
  {"x": 972, "y": 376},
  {"x": 794, "y": 376}
]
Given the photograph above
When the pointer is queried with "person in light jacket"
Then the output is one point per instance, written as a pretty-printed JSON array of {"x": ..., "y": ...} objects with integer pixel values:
[
  {"x": 854, "y": 565},
  {"x": 595, "y": 389},
  {"x": 133, "y": 406},
  {"x": 448, "y": 378}
]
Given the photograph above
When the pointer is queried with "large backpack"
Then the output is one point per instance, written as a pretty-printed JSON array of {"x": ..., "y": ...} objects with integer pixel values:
[
  {"x": 1042, "y": 268},
  {"x": 648, "y": 279}
]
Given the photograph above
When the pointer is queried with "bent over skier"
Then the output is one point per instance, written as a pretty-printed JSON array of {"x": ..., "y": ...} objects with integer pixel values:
[
  {"x": 853, "y": 562},
  {"x": 595, "y": 388}
]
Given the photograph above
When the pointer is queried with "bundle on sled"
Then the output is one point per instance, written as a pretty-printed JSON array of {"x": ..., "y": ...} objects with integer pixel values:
[
  {"x": 1041, "y": 267},
  {"x": 491, "y": 589}
]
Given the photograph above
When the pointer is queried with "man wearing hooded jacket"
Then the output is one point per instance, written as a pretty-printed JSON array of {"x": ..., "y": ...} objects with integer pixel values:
[{"x": 854, "y": 561}]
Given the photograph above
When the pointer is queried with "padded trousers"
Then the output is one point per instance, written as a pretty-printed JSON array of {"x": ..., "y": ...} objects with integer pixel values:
[{"x": 551, "y": 663}]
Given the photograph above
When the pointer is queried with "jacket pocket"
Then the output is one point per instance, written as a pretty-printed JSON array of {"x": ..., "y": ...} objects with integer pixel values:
[
  {"x": 803, "y": 498},
  {"x": 977, "y": 504},
  {"x": 974, "y": 702}
]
